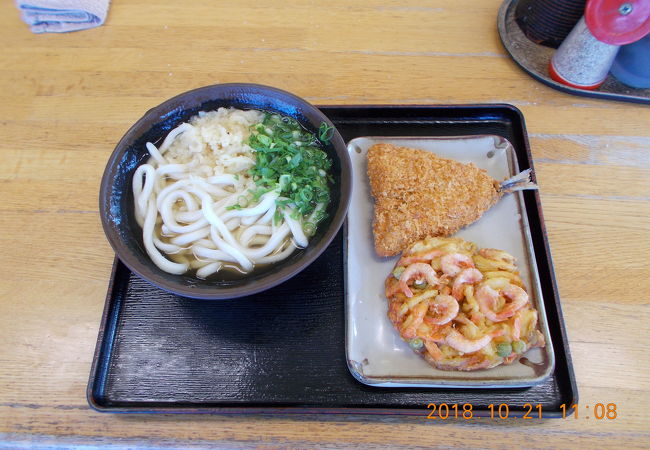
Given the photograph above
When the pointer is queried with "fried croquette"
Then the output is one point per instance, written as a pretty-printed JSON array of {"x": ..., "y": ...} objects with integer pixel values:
[{"x": 419, "y": 194}]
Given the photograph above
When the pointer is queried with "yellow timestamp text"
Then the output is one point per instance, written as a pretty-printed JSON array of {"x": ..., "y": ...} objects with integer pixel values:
[{"x": 527, "y": 411}]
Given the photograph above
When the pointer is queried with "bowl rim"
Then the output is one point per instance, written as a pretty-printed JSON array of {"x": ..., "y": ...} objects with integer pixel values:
[{"x": 205, "y": 94}]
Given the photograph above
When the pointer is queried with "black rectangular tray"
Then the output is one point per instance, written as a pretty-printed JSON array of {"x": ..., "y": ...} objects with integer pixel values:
[{"x": 283, "y": 350}]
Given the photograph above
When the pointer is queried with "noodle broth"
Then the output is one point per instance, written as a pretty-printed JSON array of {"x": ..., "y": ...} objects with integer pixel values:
[
  {"x": 229, "y": 193},
  {"x": 228, "y": 272}
]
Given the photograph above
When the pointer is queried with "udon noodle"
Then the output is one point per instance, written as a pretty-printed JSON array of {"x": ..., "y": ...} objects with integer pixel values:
[{"x": 194, "y": 199}]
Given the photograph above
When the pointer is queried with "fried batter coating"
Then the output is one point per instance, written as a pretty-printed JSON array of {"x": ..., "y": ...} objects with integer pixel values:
[
  {"x": 419, "y": 194},
  {"x": 459, "y": 307}
]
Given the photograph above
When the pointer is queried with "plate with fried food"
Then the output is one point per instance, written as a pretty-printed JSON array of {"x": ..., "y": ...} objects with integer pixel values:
[{"x": 441, "y": 281}]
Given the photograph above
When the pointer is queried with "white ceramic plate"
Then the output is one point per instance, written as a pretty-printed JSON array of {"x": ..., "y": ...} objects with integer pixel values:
[{"x": 376, "y": 354}]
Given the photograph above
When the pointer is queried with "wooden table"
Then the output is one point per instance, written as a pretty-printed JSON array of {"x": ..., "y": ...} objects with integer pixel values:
[{"x": 66, "y": 100}]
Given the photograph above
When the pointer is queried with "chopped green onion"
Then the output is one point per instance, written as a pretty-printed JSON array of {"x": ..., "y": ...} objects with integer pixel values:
[
  {"x": 325, "y": 133},
  {"x": 264, "y": 140},
  {"x": 319, "y": 216},
  {"x": 518, "y": 346},
  {"x": 398, "y": 271},
  {"x": 277, "y": 217},
  {"x": 267, "y": 172},
  {"x": 284, "y": 181},
  {"x": 309, "y": 228},
  {"x": 291, "y": 161},
  {"x": 296, "y": 159},
  {"x": 306, "y": 194},
  {"x": 420, "y": 284},
  {"x": 416, "y": 343},
  {"x": 504, "y": 349}
]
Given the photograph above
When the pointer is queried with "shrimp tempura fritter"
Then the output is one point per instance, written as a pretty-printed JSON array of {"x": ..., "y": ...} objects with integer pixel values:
[
  {"x": 419, "y": 194},
  {"x": 460, "y": 307}
]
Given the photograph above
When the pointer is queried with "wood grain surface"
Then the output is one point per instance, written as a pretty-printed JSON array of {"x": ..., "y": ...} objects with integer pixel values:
[{"x": 67, "y": 99}]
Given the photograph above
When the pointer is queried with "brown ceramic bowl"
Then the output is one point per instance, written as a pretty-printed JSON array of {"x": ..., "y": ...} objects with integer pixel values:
[{"x": 116, "y": 198}]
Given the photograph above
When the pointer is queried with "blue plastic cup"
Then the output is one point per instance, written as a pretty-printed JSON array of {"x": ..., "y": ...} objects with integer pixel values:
[{"x": 632, "y": 64}]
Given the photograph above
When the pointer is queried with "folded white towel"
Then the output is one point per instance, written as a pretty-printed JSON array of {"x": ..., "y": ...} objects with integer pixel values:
[{"x": 60, "y": 16}]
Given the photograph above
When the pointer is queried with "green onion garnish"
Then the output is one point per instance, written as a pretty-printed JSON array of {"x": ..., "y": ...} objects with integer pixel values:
[
  {"x": 290, "y": 159},
  {"x": 309, "y": 228},
  {"x": 242, "y": 201},
  {"x": 325, "y": 133}
]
